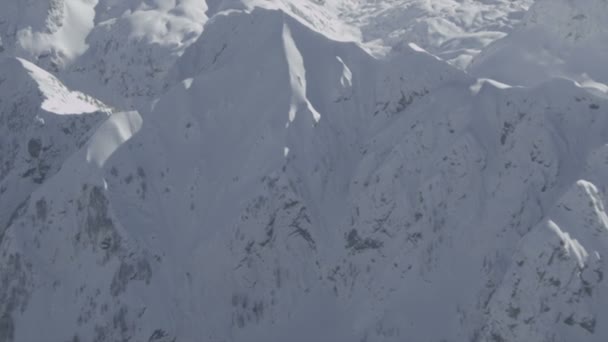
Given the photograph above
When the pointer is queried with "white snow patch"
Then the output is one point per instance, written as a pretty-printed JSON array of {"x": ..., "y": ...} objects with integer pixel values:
[
  {"x": 297, "y": 75},
  {"x": 571, "y": 245},
  {"x": 58, "y": 98},
  {"x": 346, "y": 80},
  {"x": 111, "y": 134},
  {"x": 592, "y": 85},
  {"x": 416, "y": 47},
  {"x": 187, "y": 83},
  {"x": 481, "y": 82}
]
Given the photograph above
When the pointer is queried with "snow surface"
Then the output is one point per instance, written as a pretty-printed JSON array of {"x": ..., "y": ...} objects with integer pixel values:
[
  {"x": 558, "y": 38},
  {"x": 455, "y": 30},
  {"x": 338, "y": 170}
]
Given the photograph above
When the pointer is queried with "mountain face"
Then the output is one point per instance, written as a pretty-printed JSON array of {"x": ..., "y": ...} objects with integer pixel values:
[
  {"x": 115, "y": 49},
  {"x": 268, "y": 171},
  {"x": 43, "y": 124}
]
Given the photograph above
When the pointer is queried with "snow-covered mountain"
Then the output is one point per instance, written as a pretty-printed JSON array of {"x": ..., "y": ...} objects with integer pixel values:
[
  {"x": 116, "y": 49},
  {"x": 455, "y": 30},
  {"x": 268, "y": 171},
  {"x": 562, "y": 38},
  {"x": 42, "y": 124}
]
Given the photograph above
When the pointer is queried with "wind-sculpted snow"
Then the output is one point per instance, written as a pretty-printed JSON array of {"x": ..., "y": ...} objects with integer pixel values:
[{"x": 286, "y": 185}]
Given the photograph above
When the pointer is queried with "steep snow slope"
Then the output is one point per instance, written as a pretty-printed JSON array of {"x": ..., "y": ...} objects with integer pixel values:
[
  {"x": 289, "y": 186},
  {"x": 41, "y": 124},
  {"x": 556, "y": 39}
]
